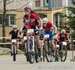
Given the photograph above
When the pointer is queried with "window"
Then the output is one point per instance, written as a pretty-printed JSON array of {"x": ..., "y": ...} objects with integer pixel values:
[
  {"x": 53, "y": 3},
  {"x": 37, "y": 3},
  {"x": 46, "y": 2},
  {"x": 58, "y": 19},
  {"x": 10, "y": 19},
  {"x": 58, "y": 4}
]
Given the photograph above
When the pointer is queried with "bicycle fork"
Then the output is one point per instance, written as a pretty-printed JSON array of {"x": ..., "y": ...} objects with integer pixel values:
[
  {"x": 33, "y": 44},
  {"x": 13, "y": 47}
]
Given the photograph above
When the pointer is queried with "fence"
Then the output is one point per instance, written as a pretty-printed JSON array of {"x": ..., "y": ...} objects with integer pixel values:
[{"x": 7, "y": 42}]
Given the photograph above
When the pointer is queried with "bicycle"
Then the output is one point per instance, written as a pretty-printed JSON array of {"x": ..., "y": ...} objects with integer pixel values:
[
  {"x": 63, "y": 51},
  {"x": 31, "y": 46},
  {"x": 47, "y": 49},
  {"x": 14, "y": 49}
]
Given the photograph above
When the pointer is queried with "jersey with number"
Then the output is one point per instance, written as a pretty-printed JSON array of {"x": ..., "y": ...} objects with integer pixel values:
[{"x": 63, "y": 37}]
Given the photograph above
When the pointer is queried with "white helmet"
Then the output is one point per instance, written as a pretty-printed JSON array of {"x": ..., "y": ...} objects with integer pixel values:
[
  {"x": 45, "y": 20},
  {"x": 14, "y": 26},
  {"x": 63, "y": 31}
]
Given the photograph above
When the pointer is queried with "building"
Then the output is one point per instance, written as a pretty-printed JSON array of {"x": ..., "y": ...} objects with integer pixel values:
[
  {"x": 15, "y": 12},
  {"x": 53, "y": 9}
]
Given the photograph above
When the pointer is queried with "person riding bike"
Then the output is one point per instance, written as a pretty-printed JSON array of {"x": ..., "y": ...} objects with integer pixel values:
[
  {"x": 30, "y": 21},
  {"x": 47, "y": 26},
  {"x": 14, "y": 35},
  {"x": 62, "y": 36}
]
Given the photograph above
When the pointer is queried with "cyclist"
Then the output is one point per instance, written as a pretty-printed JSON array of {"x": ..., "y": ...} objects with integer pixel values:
[
  {"x": 62, "y": 36},
  {"x": 47, "y": 26},
  {"x": 14, "y": 35},
  {"x": 30, "y": 21}
]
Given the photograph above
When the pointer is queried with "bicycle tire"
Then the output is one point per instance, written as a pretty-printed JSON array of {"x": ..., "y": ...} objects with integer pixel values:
[
  {"x": 61, "y": 54},
  {"x": 14, "y": 52},
  {"x": 31, "y": 54},
  {"x": 47, "y": 52}
]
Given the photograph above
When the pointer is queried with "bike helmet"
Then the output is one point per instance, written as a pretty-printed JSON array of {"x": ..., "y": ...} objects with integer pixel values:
[
  {"x": 14, "y": 27},
  {"x": 45, "y": 20},
  {"x": 63, "y": 31}
]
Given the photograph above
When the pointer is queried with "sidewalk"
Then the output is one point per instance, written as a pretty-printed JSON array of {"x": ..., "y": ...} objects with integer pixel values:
[{"x": 6, "y": 51}]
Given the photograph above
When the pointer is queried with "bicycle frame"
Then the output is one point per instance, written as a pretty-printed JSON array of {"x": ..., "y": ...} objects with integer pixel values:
[
  {"x": 30, "y": 37},
  {"x": 14, "y": 43}
]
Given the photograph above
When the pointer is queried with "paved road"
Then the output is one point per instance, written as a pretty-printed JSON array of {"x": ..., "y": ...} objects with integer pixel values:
[{"x": 6, "y": 63}]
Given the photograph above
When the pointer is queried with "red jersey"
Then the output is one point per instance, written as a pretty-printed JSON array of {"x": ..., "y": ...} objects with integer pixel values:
[
  {"x": 48, "y": 26},
  {"x": 62, "y": 37},
  {"x": 32, "y": 21}
]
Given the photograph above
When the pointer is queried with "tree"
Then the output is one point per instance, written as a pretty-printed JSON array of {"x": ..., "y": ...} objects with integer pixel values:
[
  {"x": 71, "y": 15},
  {"x": 4, "y": 13}
]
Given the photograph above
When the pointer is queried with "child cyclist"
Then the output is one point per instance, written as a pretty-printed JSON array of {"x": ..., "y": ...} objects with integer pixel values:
[{"x": 14, "y": 35}]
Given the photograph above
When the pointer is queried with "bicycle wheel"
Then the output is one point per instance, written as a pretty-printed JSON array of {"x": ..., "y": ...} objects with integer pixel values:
[
  {"x": 56, "y": 54},
  {"x": 48, "y": 52},
  {"x": 44, "y": 53},
  {"x": 63, "y": 53},
  {"x": 36, "y": 53},
  {"x": 26, "y": 52},
  {"x": 14, "y": 52},
  {"x": 31, "y": 53}
]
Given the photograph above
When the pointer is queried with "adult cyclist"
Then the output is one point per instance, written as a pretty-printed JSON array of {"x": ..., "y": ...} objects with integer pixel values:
[
  {"x": 48, "y": 26},
  {"x": 62, "y": 36},
  {"x": 30, "y": 21}
]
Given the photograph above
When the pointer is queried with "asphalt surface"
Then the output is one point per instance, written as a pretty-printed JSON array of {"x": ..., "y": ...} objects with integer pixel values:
[{"x": 6, "y": 63}]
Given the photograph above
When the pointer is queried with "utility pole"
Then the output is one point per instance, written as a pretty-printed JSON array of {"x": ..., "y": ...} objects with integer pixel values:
[{"x": 4, "y": 19}]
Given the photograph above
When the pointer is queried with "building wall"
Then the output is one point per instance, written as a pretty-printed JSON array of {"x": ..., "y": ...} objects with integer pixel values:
[
  {"x": 20, "y": 14},
  {"x": 50, "y": 13},
  {"x": 0, "y": 31},
  {"x": 19, "y": 18}
]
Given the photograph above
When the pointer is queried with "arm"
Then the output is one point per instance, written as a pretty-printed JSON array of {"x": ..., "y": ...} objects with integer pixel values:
[
  {"x": 22, "y": 26},
  {"x": 67, "y": 36},
  {"x": 57, "y": 37},
  {"x": 55, "y": 28},
  {"x": 40, "y": 23}
]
